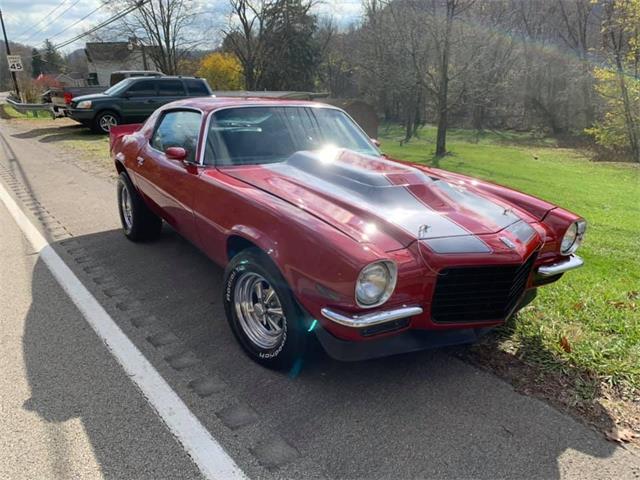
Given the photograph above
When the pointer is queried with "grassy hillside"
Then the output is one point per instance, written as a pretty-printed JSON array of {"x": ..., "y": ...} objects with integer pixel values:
[{"x": 597, "y": 308}]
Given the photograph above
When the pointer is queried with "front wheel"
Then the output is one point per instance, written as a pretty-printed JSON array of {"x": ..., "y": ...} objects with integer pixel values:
[
  {"x": 104, "y": 121},
  {"x": 262, "y": 312}
]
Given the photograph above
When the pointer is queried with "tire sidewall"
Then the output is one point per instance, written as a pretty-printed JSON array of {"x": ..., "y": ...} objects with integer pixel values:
[
  {"x": 124, "y": 182},
  {"x": 97, "y": 125},
  {"x": 291, "y": 345}
]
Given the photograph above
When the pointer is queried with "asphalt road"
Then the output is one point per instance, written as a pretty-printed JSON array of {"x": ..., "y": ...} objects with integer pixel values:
[{"x": 69, "y": 410}]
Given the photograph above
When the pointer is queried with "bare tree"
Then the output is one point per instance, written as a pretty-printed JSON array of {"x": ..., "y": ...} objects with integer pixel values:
[
  {"x": 245, "y": 37},
  {"x": 578, "y": 31},
  {"x": 165, "y": 29}
]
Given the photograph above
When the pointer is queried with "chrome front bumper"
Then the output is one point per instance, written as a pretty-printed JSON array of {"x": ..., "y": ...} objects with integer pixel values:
[
  {"x": 369, "y": 319},
  {"x": 571, "y": 263}
]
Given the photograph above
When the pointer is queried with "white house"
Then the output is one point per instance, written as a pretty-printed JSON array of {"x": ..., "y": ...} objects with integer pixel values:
[{"x": 104, "y": 58}]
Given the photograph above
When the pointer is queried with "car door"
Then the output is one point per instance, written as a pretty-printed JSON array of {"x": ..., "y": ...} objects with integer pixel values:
[
  {"x": 140, "y": 100},
  {"x": 169, "y": 183}
]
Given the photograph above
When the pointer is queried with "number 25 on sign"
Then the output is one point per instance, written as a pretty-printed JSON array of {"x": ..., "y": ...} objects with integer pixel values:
[{"x": 15, "y": 63}]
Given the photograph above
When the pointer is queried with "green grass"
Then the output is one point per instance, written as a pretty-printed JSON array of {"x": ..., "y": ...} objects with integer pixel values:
[
  {"x": 597, "y": 308},
  {"x": 11, "y": 113}
]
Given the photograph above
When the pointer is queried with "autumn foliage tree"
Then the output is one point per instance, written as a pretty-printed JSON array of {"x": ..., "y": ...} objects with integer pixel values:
[
  {"x": 619, "y": 84},
  {"x": 222, "y": 70}
]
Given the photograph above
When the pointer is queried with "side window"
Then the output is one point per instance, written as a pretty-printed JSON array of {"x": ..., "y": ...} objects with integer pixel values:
[
  {"x": 170, "y": 88},
  {"x": 197, "y": 88},
  {"x": 143, "y": 88},
  {"x": 178, "y": 128}
]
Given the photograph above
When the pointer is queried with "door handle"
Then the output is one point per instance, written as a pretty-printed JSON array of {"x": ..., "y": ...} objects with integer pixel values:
[{"x": 140, "y": 161}]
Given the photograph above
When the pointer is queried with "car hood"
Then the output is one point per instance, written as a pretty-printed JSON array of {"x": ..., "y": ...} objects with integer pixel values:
[{"x": 385, "y": 202}]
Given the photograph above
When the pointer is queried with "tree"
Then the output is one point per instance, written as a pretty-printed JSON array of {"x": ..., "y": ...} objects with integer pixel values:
[
  {"x": 37, "y": 65},
  {"x": 245, "y": 38},
  {"x": 222, "y": 70},
  {"x": 577, "y": 32},
  {"x": 165, "y": 28},
  {"x": 275, "y": 43},
  {"x": 613, "y": 130},
  {"x": 53, "y": 61},
  {"x": 431, "y": 33},
  {"x": 291, "y": 46},
  {"x": 621, "y": 86}
]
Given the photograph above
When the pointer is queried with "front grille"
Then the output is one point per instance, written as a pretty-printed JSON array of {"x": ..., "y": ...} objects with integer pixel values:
[{"x": 476, "y": 294}]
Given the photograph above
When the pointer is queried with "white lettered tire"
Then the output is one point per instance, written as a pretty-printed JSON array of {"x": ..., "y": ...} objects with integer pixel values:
[{"x": 262, "y": 311}]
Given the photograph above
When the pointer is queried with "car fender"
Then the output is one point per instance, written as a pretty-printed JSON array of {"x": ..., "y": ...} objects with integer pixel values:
[{"x": 259, "y": 238}]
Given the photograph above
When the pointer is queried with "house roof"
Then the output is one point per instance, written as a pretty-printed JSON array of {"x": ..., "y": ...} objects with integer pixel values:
[{"x": 107, "y": 51}]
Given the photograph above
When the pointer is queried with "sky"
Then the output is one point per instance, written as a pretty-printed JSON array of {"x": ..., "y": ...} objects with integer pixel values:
[{"x": 31, "y": 22}]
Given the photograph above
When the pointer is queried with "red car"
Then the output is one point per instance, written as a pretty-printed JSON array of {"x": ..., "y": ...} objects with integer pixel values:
[{"x": 322, "y": 234}]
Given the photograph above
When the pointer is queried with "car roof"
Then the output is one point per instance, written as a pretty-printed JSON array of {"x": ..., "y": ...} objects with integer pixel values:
[
  {"x": 208, "y": 104},
  {"x": 162, "y": 78}
]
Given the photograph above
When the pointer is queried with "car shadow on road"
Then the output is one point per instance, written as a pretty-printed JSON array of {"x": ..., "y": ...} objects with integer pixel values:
[
  {"x": 72, "y": 376},
  {"x": 55, "y": 134},
  {"x": 425, "y": 414}
]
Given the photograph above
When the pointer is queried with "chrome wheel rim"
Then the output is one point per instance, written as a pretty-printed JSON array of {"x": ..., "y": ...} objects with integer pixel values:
[
  {"x": 125, "y": 206},
  {"x": 259, "y": 310},
  {"x": 107, "y": 121}
]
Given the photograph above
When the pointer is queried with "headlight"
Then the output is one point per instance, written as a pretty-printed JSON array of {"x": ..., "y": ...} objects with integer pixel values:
[
  {"x": 573, "y": 237},
  {"x": 376, "y": 283},
  {"x": 84, "y": 104}
]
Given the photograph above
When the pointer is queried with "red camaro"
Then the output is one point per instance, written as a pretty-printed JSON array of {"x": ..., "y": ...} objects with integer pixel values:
[{"x": 322, "y": 234}]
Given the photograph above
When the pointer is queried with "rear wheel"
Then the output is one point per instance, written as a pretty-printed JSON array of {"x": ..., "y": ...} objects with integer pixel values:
[
  {"x": 262, "y": 311},
  {"x": 138, "y": 222},
  {"x": 104, "y": 121}
]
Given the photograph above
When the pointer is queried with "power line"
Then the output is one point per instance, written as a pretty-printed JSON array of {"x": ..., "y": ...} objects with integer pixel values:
[
  {"x": 103, "y": 24},
  {"x": 77, "y": 21},
  {"x": 51, "y": 21},
  {"x": 46, "y": 17},
  {"x": 109, "y": 21}
]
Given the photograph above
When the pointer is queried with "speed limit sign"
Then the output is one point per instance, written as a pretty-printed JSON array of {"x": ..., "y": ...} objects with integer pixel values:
[{"x": 15, "y": 63}]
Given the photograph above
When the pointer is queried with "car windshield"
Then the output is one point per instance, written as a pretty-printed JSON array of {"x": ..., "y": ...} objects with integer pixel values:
[
  {"x": 118, "y": 87},
  {"x": 256, "y": 135}
]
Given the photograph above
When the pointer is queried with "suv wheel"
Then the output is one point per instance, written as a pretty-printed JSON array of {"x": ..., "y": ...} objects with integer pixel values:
[{"x": 104, "y": 121}]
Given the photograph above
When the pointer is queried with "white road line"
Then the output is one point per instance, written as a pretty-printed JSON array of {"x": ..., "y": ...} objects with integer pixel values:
[{"x": 206, "y": 452}]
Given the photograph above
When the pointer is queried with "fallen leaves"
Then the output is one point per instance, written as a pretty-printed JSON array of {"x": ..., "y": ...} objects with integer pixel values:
[
  {"x": 621, "y": 305},
  {"x": 621, "y": 435},
  {"x": 564, "y": 343}
]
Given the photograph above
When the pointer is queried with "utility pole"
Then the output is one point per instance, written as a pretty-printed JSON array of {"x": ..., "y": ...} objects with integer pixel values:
[{"x": 6, "y": 44}]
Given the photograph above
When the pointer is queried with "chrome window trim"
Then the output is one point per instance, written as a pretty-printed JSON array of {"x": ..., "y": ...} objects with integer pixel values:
[
  {"x": 258, "y": 105},
  {"x": 170, "y": 110}
]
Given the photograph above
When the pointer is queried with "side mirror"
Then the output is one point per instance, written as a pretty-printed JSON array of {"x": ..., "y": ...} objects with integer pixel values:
[
  {"x": 176, "y": 153},
  {"x": 376, "y": 142}
]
